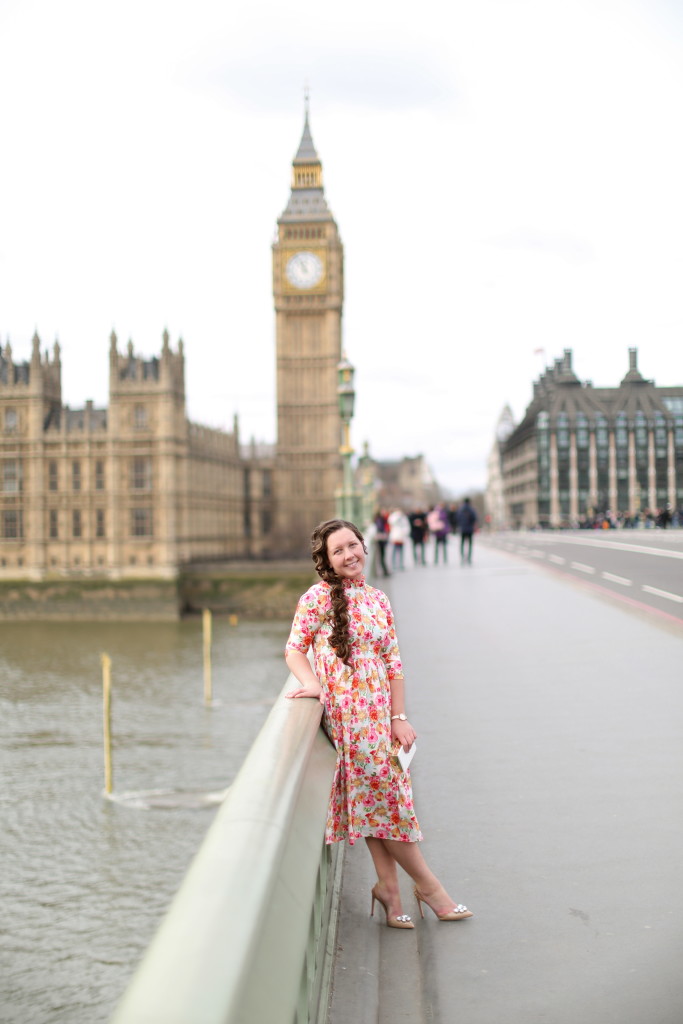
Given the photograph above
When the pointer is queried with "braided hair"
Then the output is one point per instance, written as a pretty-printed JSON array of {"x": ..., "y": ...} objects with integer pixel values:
[{"x": 339, "y": 638}]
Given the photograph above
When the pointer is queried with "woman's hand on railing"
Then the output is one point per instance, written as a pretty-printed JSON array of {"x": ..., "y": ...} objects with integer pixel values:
[
  {"x": 309, "y": 690},
  {"x": 302, "y": 670}
]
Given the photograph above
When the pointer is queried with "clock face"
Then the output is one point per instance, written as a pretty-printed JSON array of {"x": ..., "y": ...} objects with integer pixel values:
[{"x": 304, "y": 270}]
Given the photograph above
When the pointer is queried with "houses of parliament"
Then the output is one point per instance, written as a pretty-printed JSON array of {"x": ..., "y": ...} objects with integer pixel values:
[{"x": 138, "y": 490}]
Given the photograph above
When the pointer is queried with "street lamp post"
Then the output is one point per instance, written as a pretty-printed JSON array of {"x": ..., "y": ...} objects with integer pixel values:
[
  {"x": 368, "y": 486},
  {"x": 346, "y": 396}
]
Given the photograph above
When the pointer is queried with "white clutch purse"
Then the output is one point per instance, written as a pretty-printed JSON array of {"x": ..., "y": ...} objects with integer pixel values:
[{"x": 401, "y": 758}]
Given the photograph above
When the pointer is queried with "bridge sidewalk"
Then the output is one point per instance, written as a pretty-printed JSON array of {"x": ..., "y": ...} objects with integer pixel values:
[{"x": 548, "y": 787}]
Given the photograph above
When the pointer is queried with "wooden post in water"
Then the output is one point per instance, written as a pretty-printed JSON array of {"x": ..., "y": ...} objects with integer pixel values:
[
  {"x": 206, "y": 629},
  {"x": 106, "y": 688}
]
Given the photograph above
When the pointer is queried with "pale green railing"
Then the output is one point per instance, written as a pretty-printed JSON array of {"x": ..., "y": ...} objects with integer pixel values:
[{"x": 249, "y": 938}]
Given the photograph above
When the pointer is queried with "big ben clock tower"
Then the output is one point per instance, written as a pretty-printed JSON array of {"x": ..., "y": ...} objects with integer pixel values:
[{"x": 308, "y": 286}]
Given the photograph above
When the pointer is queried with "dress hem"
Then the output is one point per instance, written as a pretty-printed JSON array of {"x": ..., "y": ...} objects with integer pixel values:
[{"x": 329, "y": 841}]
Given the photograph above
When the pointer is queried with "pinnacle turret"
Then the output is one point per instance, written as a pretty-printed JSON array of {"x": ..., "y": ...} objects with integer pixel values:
[
  {"x": 306, "y": 153},
  {"x": 307, "y": 199}
]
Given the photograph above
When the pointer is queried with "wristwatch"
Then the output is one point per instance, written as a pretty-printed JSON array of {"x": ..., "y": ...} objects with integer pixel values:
[{"x": 401, "y": 717}]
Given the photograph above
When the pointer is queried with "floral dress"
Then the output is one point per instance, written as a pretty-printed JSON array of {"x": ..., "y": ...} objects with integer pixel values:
[{"x": 370, "y": 797}]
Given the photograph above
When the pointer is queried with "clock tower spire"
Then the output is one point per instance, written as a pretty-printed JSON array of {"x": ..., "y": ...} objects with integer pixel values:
[
  {"x": 308, "y": 263},
  {"x": 307, "y": 196}
]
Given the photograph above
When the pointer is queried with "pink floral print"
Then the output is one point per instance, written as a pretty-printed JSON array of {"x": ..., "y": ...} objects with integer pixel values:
[{"x": 369, "y": 796}]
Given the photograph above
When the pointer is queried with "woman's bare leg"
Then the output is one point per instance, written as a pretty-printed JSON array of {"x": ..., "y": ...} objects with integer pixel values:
[
  {"x": 410, "y": 858},
  {"x": 387, "y": 876}
]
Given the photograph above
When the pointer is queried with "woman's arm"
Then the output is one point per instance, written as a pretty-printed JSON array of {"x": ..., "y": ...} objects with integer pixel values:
[
  {"x": 307, "y": 620},
  {"x": 300, "y": 667},
  {"x": 401, "y": 731}
]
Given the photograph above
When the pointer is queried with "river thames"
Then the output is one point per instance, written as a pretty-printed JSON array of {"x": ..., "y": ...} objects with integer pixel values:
[{"x": 86, "y": 880}]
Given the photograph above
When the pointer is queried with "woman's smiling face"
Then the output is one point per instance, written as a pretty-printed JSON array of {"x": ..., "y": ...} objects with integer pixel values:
[{"x": 346, "y": 554}]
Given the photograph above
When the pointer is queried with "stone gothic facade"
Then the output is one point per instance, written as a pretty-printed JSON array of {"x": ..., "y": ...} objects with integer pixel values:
[
  {"x": 308, "y": 288},
  {"x": 136, "y": 489},
  {"x": 582, "y": 451}
]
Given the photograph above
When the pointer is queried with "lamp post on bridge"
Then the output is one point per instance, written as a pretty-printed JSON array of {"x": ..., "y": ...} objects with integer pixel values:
[
  {"x": 368, "y": 487},
  {"x": 346, "y": 498}
]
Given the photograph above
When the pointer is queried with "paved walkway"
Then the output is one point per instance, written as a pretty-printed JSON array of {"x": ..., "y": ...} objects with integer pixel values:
[{"x": 549, "y": 786}]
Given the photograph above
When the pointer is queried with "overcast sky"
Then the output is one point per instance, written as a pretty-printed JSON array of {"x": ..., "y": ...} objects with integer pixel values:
[{"x": 507, "y": 176}]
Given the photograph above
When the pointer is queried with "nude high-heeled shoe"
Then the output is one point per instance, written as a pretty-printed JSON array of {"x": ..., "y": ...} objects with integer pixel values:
[
  {"x": 400, "y": 921},
  {"x": 458, "y": 913}
]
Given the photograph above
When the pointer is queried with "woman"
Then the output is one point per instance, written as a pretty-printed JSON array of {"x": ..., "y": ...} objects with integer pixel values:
[
  {"x": 357, "y": 677},
  {"x": 399, "y": 531},
  {"x": 437, "y": 522}
]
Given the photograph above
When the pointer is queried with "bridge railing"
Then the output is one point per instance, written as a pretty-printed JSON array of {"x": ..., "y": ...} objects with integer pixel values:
[{"x": 249, "y": 936}]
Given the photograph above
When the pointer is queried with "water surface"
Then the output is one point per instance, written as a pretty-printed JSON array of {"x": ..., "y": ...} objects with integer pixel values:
[{"x": 84, "y": 880}]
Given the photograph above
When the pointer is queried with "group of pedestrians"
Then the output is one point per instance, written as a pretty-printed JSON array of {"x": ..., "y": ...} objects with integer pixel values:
[
  {"x": 646, "y": 518},
  {"x": 393, "y": 530}
]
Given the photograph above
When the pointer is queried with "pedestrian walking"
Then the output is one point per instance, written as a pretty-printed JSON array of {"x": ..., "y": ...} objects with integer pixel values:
[
  {"x": 382, "y": 538},
  {"x": 418, "y": 531},
  {"x": 467, "y": 521},
  {"x": 439, "y": 527},
  {"x": 358, "y": 678},
  {"x": 399, "y": 531}
]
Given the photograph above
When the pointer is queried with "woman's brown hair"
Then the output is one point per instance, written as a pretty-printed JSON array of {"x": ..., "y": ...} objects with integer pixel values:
[{"x": 339, "y": 638}]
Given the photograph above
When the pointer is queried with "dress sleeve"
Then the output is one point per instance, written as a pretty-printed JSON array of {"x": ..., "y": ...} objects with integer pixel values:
[
  {"x": 308, "y": 618},
  {"x": 390, "y": 652}
]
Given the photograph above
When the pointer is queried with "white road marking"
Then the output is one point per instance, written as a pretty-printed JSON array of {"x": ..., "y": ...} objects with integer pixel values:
[
  {"x": 583, "y": 568},
  {"x": 616, "y": 579},
  {"x": 536, "y": 553},
  {"x": 557, "y": 559},
  {"x": 594, "y": 542},
  {"x": 662, "y": 593}
]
